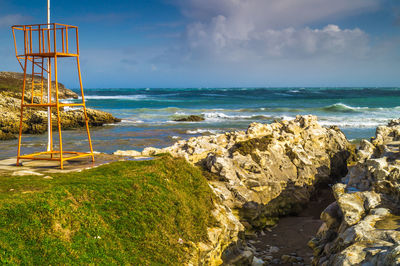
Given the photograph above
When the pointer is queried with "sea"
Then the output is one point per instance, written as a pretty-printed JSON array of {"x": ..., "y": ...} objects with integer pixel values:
[{"x": 148, "y": 114}]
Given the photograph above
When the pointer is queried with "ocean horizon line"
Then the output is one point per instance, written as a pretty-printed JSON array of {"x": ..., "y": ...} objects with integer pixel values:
[{"x": 239, "y": 88}]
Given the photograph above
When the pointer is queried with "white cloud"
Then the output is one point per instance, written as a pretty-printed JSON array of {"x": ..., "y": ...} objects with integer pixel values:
[
  {"x": 237, "y": 30},
  {"x": 12, "y": 19},
  {"x": 217, "y": 39},
  {"x": 274, "y": 13}
]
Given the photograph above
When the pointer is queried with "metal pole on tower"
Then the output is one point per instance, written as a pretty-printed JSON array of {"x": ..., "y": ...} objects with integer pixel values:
[{"x": 48, "y": 87}]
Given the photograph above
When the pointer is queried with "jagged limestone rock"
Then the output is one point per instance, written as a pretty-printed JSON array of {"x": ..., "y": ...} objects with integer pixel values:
[
  {"x": 260, "y": 174},
  {"x": 265, "y": 172},
  {"x": 369, "y": 200}
]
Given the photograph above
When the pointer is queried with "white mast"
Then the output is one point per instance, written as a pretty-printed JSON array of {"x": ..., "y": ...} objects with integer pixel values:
[{"x": 48, "y": 87}]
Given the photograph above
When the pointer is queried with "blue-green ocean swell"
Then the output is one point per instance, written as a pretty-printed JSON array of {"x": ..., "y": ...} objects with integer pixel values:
[{"x": 147, "y": 114}]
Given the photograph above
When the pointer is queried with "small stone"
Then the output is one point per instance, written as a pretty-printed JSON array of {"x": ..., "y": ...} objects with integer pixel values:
[
  {"x": 289, "y": 259},
  {"x": 257, "y": 262},
  {"x": 244, "y": 258},
  {"x": 47, "y": 177},
  {"x": 276, "y": 261},
  {"x": 268, "y": 258},
  {"x": 273, "y": 249}
]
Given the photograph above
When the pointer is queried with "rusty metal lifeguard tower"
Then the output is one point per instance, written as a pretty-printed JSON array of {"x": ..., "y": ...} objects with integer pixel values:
[{"x": 51, "y": 42}]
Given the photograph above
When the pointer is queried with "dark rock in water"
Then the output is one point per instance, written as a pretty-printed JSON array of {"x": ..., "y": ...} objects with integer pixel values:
[
  {"x": 35, "y": 119},
  {"x": 190, "y": 118}
]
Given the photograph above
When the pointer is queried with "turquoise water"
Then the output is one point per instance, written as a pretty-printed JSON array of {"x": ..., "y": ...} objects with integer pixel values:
[{"x": 147, "y": 114}]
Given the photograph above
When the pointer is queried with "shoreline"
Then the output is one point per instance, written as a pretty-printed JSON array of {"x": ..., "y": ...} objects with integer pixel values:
[
  {"x": 124, "y": 138},
  {"x": 262, "y": 220}
]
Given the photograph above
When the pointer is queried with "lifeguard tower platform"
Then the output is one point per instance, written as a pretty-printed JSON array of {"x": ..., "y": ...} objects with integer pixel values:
[{"x": 38, "y": 47}]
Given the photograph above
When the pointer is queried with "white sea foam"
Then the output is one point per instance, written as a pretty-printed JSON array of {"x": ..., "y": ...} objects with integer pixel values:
[
  {"x": 217, "y": 116},
  {"x": 201, "y": 131},
  {"x": 353, "y": 122},
  {"x": 285, "y": 117},
  {"x": 181, "y": 113},
  {"x": 213, "y": 115},
  {"x": 67, "y": 101},
  {"x": 116, "y": 97},
  {"x": 131, "y": 121},
  {"x": 283, "y": 94}
]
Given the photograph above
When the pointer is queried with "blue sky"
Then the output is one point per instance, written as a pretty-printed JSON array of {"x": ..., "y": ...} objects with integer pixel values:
[{"x": 221, "y": 43}]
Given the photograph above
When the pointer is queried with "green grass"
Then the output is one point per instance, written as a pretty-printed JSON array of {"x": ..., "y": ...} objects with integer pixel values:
[{"x": 122, "y": 213}]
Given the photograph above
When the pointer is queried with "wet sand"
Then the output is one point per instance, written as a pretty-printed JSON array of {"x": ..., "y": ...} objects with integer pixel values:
[{"x": 293, "y": 232}]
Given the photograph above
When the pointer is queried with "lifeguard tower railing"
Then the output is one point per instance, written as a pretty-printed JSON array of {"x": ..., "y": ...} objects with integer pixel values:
[
  {"x": 39, "y": 44},
  {"x": 39, "y": 40}
]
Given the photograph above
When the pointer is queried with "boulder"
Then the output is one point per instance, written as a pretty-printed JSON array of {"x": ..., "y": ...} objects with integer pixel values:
[{"x": 332, "y": 216}]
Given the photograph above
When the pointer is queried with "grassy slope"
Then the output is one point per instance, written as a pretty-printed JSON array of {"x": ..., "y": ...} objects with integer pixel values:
[{"x": 124, "y": 212}]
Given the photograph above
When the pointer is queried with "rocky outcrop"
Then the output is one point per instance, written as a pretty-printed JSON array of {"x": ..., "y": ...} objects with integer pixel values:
[
  {"x": 362, "y": 226},
  {"x": 219, "y": 238},
  {"x": 35, "y": 120},
  {"x": 271, "y": 169},
  {"x": 11, "y": 85},
  {"x": 266, "y": 172},
  {"x": 190, "y": 118}
]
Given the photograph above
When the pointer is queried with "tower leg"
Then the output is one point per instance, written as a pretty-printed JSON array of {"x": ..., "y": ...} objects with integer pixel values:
[
  {"x": 33, "y": 79},
  {"x": 22, "y": 112},
  {"x": 49, "y": 91},
  {"x": 84, "y": 109},
  {"x": 58, "y": 113}
]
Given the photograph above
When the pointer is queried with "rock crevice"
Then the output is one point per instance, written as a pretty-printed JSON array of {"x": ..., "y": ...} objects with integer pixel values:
[{"x": 258, "y": 175}]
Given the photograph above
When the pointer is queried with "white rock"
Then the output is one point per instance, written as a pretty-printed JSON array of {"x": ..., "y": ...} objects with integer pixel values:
[
  {"x": 273, "y": 249},
  {"x": 132, "y": 153},
  {"x": 26, "y": 172},
  {"x": 257, "y": 262},
  {"x": 151, "y": 151}
]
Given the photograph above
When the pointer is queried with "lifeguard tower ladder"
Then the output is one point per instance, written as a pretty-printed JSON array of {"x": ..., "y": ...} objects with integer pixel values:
[{"x": 47, "y": 43}]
